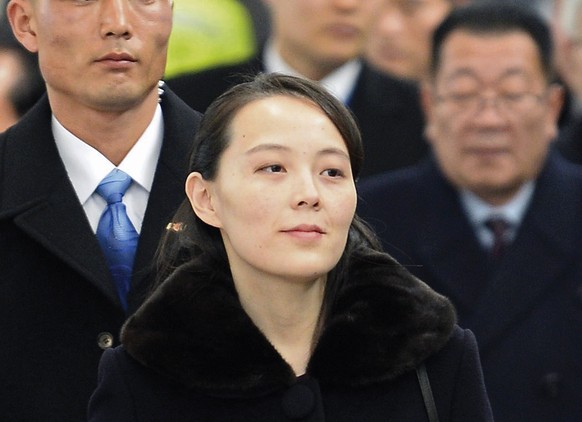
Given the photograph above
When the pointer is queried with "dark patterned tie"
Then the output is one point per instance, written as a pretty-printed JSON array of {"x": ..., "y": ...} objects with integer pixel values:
[
  {"x": 117, "y": 236},
  {"x": 499, "y": 228}
]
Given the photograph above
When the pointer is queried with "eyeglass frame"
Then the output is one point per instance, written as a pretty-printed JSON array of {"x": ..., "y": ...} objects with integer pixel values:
[{"x": 474, "y": 102}]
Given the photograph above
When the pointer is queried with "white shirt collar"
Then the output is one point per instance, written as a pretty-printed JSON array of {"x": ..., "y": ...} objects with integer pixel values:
[
  {"x": 341, "y": 82},
  {"x": 86, "y": 174},
  {"x": 480, "y": 211}
]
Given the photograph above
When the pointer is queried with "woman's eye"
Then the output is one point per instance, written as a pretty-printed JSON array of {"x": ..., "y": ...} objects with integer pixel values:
[
  {"x": 273, "y": 168},
  {"x": 333, "y": 173}
]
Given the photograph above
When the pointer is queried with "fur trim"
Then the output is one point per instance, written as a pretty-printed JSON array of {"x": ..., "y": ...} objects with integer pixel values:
[
  {"x": 385, "y": 323},
  {"x": 193, "y": 330}
]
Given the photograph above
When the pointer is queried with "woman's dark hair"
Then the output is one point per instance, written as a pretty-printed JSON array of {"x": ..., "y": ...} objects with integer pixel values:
[
  {"x": 494, "y": 19},
  {"x": 189, "y": 239}
]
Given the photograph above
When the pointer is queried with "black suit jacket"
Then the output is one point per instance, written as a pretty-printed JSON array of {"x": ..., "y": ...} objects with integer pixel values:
[
  {"x": 58, "y": 305},
  {"x": 386, "y": 109},
  {"x": 526, "y": 311}
]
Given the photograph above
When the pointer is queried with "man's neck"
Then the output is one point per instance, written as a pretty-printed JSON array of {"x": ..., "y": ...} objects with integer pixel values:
[
  {"x": 305, "y": 66},
  {"x": 112, "y": 133}
]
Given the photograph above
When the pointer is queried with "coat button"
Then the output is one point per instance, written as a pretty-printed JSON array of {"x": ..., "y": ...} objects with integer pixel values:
[
  {"x": 298, "y": 402},
  {"x": 551, "y": 384},
  {"x": 105, "y": 340}
]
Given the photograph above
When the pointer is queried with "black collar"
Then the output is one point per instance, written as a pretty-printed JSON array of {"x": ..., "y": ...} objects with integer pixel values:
[{"x": 193, "y": 330}]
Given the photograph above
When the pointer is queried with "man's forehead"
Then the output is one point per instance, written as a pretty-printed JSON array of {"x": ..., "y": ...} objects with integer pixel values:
[
  {"x": 496, "y": 55},
  {"x": 514, "y": 49}
]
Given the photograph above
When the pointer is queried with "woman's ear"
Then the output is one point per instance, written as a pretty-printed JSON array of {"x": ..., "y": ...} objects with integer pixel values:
[
  {"x": 20, "y": 13},
  {"x": 199, "y": 192}
]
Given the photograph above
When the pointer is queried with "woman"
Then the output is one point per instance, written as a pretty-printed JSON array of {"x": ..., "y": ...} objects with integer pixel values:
[{"x": 278, "y": 304}]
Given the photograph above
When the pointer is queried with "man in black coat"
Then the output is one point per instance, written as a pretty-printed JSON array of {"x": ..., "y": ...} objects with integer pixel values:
[
  {"x": 323, "y": 41},
  {"x": 104, "y": 110},
  {"x": 492, "y": 114}
]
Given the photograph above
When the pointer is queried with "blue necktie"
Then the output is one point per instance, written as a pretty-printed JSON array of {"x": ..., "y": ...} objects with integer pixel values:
[{"x": 117, "y": 236}]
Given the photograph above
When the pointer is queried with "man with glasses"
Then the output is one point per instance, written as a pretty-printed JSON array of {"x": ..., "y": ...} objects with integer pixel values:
[{"x": 492, "y": 219}]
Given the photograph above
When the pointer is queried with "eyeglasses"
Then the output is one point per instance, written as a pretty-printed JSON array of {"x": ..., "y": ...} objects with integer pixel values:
[{"x": 473, "y": 102}]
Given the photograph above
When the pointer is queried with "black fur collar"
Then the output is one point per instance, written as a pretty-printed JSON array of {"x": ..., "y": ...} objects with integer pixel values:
[{"x": 194, "y": 331}]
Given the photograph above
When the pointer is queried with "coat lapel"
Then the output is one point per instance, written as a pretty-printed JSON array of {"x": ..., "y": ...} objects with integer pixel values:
[
  {"x": 61, "y": 226},
  {"x": 37, "y": 193},
  {"x": 444, "y": 228}
]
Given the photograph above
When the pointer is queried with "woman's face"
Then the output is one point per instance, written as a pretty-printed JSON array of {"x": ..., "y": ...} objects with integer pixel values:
[{"x": 284, "y": 196}]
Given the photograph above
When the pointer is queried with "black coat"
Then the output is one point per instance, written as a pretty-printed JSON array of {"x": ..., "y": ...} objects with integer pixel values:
[
  {"x": 526, "y": 311},
  {"x": 58, "y": 305},
  {"x": 191, "y": 353},
  {"x": 387, "y": 110},
  {"x": 569, "y": 141}
]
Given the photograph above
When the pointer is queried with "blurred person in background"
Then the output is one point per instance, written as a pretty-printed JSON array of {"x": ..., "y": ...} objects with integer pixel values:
[
  {"x": 492, "y": 219},
  {"x": 567, "y": 30},
  {"x": 399, "y": 43},
  {"x": 21, "y": 83}
]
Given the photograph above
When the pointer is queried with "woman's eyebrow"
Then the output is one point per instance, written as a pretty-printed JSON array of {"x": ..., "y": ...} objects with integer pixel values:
[
  {"x": 334, "y": 151},
  {"x": 278, "y": 147},
  {"x": 267, "y": 147}
]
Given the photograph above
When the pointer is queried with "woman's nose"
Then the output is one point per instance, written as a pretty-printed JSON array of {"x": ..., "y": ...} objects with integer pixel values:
[{"x": 306, "y": 193}]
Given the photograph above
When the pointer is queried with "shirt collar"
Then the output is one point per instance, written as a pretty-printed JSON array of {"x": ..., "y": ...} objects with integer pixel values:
[
  {"x": 86, "y": 174},
  {"x": 480, "y": 211},
  {"x": 341, "y": 82}
]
